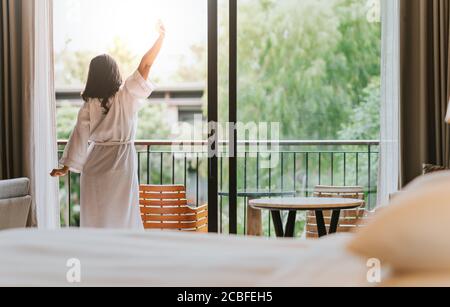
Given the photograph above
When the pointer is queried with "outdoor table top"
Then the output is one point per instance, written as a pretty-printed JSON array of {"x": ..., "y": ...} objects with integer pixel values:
[{"x": 306, "y": 203}]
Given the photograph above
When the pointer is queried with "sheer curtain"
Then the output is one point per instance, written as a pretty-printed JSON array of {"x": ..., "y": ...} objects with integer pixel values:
[
  {"x": 39, "y": 109},
  {"x": 389, "y": 170},
  {"x": 44, "y": 118}
]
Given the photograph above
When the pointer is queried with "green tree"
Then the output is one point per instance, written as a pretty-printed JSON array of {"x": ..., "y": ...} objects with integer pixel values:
[
  {"x": 305, "y": 64},
  {"x": 71, "y": 67},
  {"x": 364, "y": 122},
  {"x": 66, "y": 116},
  {"x": 195, "y": 70}
]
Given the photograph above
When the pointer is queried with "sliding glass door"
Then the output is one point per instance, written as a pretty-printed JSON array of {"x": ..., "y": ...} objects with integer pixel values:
[
  {"x": 301, "y": 81},
  {"x": 254, "y": 98},
  {"x": 171, "y": 141},
  {"x": 175, "y": 143}
]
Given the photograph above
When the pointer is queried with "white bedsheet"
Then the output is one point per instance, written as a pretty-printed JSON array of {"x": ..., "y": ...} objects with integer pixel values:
[{"x": 115, "y": 258}]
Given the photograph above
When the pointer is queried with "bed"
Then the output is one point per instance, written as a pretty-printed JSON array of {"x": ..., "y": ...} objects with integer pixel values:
[
  {"x": 121, "y": 258},
  {"x": 118, "y": 258},
  {"x": 411, "y": 235}
]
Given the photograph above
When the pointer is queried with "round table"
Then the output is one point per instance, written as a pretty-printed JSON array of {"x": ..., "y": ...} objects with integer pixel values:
[
  {"x": 254, "y": 217},
  {"x": 293, "y": 205}
]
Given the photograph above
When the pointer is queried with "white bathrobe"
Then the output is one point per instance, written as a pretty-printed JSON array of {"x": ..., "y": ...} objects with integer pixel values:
[{"x": 101, "y": 148}]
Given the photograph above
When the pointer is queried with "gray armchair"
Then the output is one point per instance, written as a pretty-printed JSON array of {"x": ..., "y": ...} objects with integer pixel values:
[{"x": 15, "y": 203}]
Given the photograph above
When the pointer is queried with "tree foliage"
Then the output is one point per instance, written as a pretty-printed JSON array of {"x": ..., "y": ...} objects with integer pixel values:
[
  {"x": 306, "y": 64},
  {"x": 311, "y": 65}
]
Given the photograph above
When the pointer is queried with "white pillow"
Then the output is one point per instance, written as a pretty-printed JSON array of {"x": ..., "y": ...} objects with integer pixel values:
[
  {"x": 428, "y": 180},
  {"x": 413, "y": 233}
]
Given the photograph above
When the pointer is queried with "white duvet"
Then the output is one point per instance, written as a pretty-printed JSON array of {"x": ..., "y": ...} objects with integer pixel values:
[{"x": 115, "y": 258}]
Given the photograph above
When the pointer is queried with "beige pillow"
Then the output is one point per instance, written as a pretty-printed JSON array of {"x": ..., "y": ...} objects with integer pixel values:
[{"x": 413, "y": 233}]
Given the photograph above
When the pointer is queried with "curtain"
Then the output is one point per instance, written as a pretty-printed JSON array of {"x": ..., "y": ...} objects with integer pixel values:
[
  {"x": 28, "y": 129},
  {"x": 390, "y": 104},
  {"x": 12, "y": 114},
  {"x": 424, "y": 57}
]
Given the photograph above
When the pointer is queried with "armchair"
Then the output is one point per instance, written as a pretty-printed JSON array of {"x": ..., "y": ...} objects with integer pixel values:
[{"x": 15, "y": 203}]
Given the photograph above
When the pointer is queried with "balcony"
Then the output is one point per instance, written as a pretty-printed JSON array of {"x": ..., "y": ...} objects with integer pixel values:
[{"x": 301, "y": 165}]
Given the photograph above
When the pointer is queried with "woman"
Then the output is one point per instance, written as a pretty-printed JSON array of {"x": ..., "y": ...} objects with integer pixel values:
[{"x": 101, "y": 146}]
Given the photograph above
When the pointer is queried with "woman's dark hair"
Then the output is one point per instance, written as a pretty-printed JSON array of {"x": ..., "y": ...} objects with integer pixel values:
[{"x": 104, "y": 80}]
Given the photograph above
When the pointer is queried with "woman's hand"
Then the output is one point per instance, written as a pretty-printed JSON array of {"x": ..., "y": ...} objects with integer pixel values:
[
  {"x": 60, "y": 172},
  {"x": 149, "y": 58},
  {"x": 161, "y": 28}
]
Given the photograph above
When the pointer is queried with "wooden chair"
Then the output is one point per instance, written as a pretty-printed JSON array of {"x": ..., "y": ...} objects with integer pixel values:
[
  {"x": 349, "y": 221},
  {"x": 166, "y": 208}
]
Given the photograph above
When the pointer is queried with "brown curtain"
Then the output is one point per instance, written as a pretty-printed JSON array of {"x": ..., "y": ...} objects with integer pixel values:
[
  {"x": 13, "y": 113},
  {"x": 424, "y": 32}
]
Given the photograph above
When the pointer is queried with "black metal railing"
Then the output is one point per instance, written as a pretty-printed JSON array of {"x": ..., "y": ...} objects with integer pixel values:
[{"x": 297, "y": 167}]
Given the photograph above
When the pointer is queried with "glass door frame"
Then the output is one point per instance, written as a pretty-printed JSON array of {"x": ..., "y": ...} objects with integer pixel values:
[
  {"x": 213, "y": 117},
  {"x": 233, "y": 117}
]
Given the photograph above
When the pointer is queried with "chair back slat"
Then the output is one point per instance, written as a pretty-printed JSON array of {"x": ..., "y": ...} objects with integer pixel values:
[
  {"x": 165, "y": 207},
  {"x": 162, "y": 188},
  {"x": 176, "y": 203},
  {"x": 163, "y": 196},
  {"x": 350, "y": 220}
]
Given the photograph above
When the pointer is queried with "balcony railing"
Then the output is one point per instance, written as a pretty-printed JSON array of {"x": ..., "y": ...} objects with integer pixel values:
[{"x": 301, "y": 165}]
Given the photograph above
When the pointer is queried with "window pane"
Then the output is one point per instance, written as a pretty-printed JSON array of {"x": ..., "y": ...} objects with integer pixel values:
[
  {"x": 312, "y": 65},
  {"x": 126, "y": 30},
  {"x": 84, "y": 29}
]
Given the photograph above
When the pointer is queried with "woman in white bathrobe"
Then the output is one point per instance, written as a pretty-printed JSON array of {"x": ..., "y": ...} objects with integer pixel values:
[{"x": 101, "y": 146}]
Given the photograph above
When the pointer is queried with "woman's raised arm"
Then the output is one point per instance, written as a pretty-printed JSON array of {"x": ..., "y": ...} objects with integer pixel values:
[{"x": 150, "y": 57}]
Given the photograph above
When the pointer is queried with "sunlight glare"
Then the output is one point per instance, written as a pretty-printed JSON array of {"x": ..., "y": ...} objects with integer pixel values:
[{"x": 95, "y": 24}]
